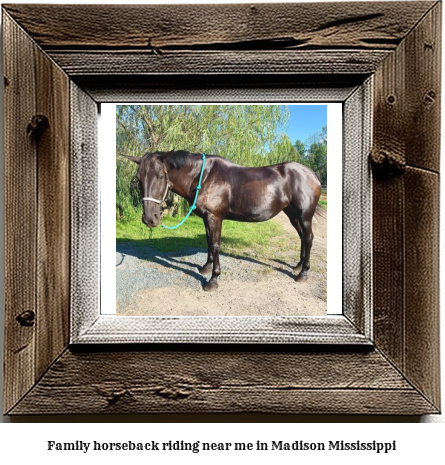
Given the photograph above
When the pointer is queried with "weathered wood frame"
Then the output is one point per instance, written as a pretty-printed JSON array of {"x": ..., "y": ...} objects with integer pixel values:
[
  {"x": 77, "y": 56},
  {"x": 352, "y": 326}
]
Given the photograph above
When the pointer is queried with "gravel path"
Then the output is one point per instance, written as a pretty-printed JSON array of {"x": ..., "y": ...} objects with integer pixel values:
[{"x": 167, "y": 284}]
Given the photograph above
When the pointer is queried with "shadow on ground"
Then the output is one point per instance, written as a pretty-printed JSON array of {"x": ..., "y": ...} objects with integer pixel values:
[{"x": 146, "y": 250}]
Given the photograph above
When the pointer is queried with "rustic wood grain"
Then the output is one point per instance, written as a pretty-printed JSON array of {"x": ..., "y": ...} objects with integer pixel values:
[
  {"x": 357, "y": 209},
  {"x": 157, "y": 27},
  {"x": 251, "y": 400},
  {"x": 400, "y": 376},
  {"x": 422, "y": 364},
  {"x": 390, "y": 125},
  {"x": 423, "y": 91},
  {"x": 218, "y": 88},
  {"x": 53, "y": 192},
  {"x": 407, "y": 116},
  {"x": 223, "y": 382},
  {"x": 129, "y": 63},
  {"x": 85, "y": 211},
  {"x": 388, "y": 268},
  {"x": 38, "y": 201},
  {"x": 106, "y": 329},
  {"x": 388, "y": 201},
  {"x": 406, "y": 210},
  {"x": 20, "y": 213}
]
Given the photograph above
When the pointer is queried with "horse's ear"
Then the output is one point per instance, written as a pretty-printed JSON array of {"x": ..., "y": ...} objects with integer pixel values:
[{"x": 134, "y": 159}]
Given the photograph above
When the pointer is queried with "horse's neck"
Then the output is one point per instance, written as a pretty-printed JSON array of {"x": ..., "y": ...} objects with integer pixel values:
[{"x": 182, "y": 179}]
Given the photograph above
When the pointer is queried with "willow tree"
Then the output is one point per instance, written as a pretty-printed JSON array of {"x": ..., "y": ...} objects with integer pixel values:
[{"x": 250, "y": 135}]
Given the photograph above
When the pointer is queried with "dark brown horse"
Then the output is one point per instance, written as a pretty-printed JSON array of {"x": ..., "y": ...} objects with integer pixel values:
[{"x": 231, "y": 192}]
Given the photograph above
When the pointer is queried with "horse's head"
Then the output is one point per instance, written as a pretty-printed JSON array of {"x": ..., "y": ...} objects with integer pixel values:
[{"x": 153, "y": 185}]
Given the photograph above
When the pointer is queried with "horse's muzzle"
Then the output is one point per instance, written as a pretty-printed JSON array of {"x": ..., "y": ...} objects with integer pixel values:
[{"x": 152, "y": 222}]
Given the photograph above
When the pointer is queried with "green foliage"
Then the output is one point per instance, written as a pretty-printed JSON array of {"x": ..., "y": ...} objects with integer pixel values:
[
  {"x": 251, "y": 135},
  {"x": 301, "y": 150},
  {"x": 283, "y": 150},
  {"x": 239, "y": 132},
  {"x": 318, "y": 161},
  {"x": 315, "y": 154}
]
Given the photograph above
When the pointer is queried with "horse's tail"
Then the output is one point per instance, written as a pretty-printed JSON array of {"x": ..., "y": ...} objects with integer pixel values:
[{"x": 319, "y": 210}]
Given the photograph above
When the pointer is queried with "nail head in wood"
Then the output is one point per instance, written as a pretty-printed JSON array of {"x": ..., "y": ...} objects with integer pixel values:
[
  {"x": 37, "y": 126},
  {"x": 387, "y": 163},
  {"x": 26, "y": 318}
]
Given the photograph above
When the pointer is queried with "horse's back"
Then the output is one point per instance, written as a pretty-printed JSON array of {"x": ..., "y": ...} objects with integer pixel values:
[{"x": 259, "y": 193}]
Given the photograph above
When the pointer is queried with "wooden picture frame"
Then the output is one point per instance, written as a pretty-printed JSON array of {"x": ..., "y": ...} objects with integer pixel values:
[
  {"x": 352, "y": 326},
  {"x": 56, "y": 72}
]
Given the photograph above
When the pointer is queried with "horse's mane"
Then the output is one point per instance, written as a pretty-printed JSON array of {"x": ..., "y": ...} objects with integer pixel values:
[{"x": 176, "y": 159}]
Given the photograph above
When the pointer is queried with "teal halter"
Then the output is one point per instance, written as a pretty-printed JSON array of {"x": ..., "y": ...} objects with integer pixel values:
[{"x": 193, "y": 207}]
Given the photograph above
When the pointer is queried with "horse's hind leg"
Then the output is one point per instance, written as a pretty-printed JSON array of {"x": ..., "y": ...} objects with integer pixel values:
[
  {"x": 207, "y": 267},
  {"x": 308, "y": 236},
  {"x": 295, "y": 221},
  {"x": 215, "y": 225},
  {"x": 303, "y": 244}
]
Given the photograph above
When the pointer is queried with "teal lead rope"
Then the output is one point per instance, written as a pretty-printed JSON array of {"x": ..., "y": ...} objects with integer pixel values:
[{"x": 193, "y": 207}]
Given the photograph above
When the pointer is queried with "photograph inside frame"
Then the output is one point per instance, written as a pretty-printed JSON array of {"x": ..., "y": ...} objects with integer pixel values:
[{"x": 221, "y": 210}]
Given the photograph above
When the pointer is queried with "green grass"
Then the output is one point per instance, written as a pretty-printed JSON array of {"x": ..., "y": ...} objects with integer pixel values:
[
  {"x": 323, "y": 203},
  {"x": 238, "y": 238}
]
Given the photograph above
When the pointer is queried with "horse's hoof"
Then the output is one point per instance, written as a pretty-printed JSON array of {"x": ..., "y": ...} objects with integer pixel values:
[
  {"x": 301, "y": 277},
  {"x": 204, "y": 270},
  {"x": 210, "y": 286},
  {"x": 298, "y": 265}
]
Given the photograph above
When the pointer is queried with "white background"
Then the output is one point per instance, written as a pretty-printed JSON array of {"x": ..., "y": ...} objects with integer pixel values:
[{"x": 25, "y": 441}]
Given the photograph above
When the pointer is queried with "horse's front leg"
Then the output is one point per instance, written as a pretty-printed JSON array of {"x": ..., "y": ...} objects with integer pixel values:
[
  {"x": 207, "y": 267},
  {"x": 215, "y": 225}
]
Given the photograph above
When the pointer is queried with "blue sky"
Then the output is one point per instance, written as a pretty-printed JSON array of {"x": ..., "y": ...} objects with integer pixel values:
[{"x": 305, "y": 120}]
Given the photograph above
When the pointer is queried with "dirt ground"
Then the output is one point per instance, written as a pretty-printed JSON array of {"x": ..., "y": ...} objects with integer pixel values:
[{"x": 170, "y": 285}]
